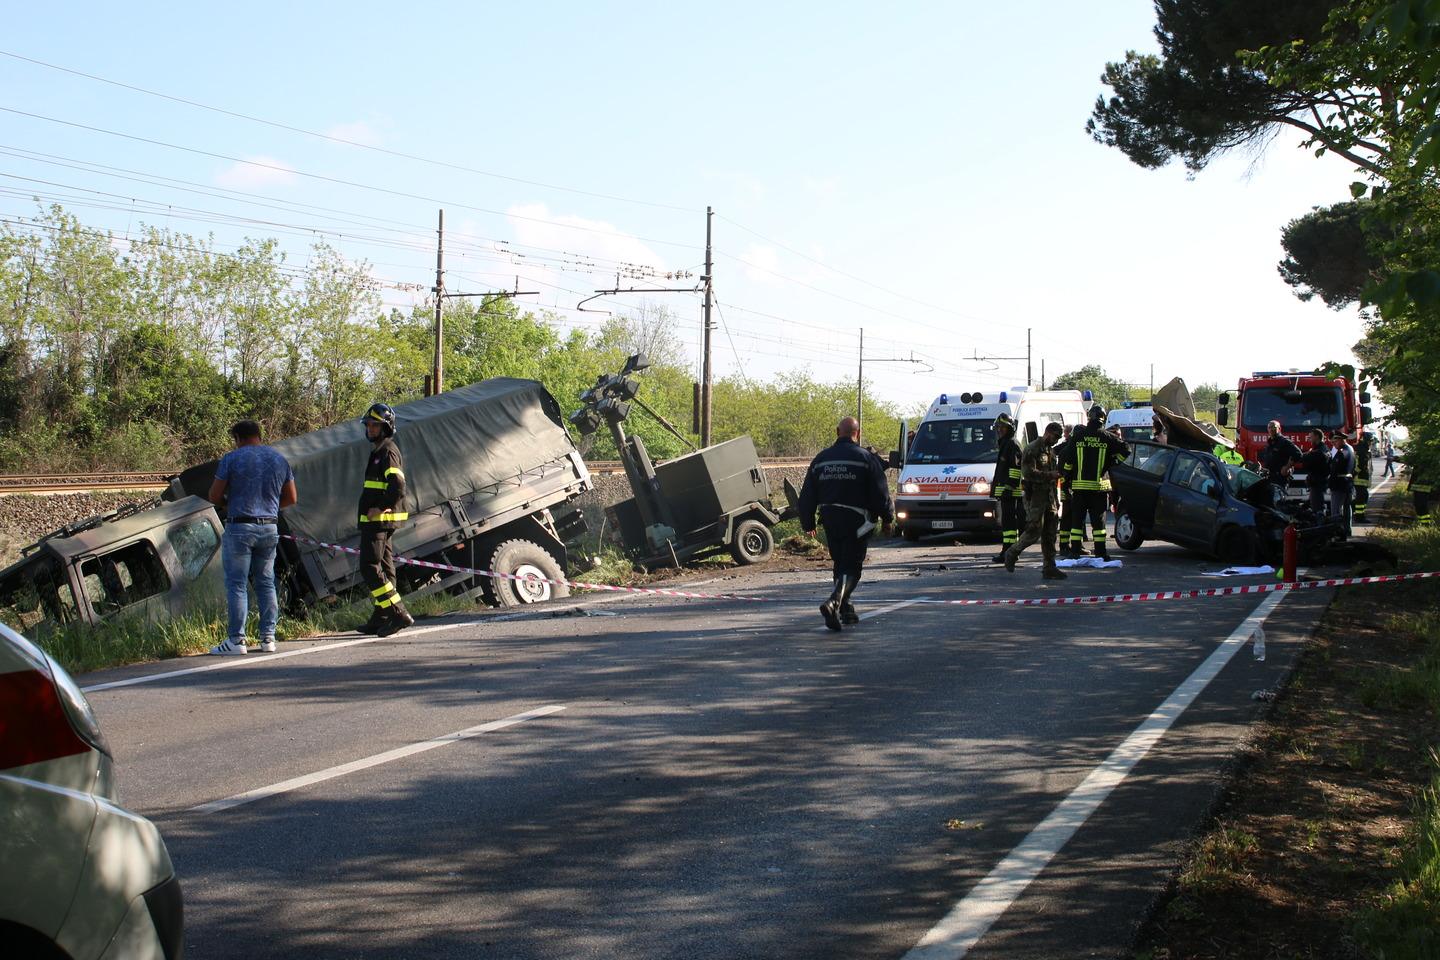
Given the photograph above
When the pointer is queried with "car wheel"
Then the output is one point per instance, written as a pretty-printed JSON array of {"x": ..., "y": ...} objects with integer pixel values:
[
  {"x": 1127, "y": 531},
  {"x": 753, "y": 542},
  {"x": 523, "y": 558},
  {"x": 1237, "y": 545}
]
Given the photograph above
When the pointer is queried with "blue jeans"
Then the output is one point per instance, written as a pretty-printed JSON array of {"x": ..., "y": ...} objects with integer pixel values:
[{"x": 248, "y": 552}]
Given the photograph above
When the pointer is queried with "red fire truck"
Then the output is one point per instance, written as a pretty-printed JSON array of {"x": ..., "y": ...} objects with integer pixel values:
[{"x": 1301, "y": 401}]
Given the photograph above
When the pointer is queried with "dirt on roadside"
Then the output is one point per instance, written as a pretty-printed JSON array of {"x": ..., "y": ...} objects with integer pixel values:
[{"x": 1313, "y": 825}]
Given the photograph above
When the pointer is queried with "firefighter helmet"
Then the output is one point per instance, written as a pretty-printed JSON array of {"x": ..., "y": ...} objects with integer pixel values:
[
  {"x": 382, "y": 414},
  {"x": 1097, "y": 414},
  {"x": 1005, "y": 420}
]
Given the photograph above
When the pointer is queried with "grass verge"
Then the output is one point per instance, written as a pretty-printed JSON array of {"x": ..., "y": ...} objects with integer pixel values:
[{"x": 1327, "y": 843}]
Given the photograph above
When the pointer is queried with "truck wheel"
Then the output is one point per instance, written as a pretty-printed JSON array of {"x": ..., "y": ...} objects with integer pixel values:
[
  {"x": 910, "y": 533},
  {"x": 1237, "y": 545},
  {"x": 1127, "y": 531},
  {"x": 524, "y": 558},
  {"x": 753, "y": 542}
]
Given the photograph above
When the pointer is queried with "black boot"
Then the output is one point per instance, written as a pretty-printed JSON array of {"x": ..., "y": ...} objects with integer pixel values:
[
  {"x": 847, "y": 609},
  {"x": 830, "y": 609},
  {"x": 1050, "y": 571},
  {"x": 1102, "y": 551},
  {"x": 373, "y": 625},
  {"x": 398, "y": 620}
]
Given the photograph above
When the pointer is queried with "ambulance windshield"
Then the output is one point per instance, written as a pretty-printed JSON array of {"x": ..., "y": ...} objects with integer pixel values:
[{"x": 954, "y": 441}]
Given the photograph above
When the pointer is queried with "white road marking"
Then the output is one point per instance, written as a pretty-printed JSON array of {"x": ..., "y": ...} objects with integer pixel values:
[
  {"x": 260, "y": 659},
  {"x": 889, "y": 608},
  {"x": 285, "y": 786},
  {"x": 968, "y": 920}
]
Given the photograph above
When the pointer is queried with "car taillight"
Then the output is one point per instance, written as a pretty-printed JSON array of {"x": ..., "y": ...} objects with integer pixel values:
[
  {"x": 34, "y": 723},
  {"x": 78, "y": 709}
]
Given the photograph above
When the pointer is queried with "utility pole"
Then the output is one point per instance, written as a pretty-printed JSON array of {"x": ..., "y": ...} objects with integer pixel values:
[
  {"x": 437, "y": 371},
  {"x": 436, "y": 383},
  {"x": 1029, "y": 382},
  {"x": 1152, "y": 383},
  {"x": 991, "y": 360},
  {"x": 705, "y": 370},
  {"x": 860, "y": 376},
  {"x": 1042, "y": 373}
]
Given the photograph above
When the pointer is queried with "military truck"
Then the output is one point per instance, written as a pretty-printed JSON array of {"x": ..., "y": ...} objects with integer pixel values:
[{"x": 491, "y": 474}]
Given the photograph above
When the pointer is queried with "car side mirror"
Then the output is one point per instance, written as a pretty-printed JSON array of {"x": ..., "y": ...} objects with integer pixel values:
[
  {"x": 1365, "y": 396},
  {"x": 1222, "y": 416},
  {"x": 1366, "y": 416},
  {"x": 1223, "y": 399},
  {"x": 895, "y": 463}
]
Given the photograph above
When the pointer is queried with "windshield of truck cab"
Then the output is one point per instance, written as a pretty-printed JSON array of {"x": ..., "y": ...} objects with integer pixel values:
[
  {"x": 954, "y": 441},
  {"x": 1313, "y": 407}
]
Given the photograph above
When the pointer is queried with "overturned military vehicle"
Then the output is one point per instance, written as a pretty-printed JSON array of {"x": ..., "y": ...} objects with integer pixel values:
[{"x": 492, "y": 475}]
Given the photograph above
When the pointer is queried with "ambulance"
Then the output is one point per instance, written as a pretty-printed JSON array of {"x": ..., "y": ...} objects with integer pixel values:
[
  {"x": 947, "y": 471},
  {"x": 1136, "y": 422}
]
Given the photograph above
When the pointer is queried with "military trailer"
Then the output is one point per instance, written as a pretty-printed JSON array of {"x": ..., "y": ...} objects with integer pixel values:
[
  {"x": 689, "y": 508},
  {"x": 491, "y": 474}
]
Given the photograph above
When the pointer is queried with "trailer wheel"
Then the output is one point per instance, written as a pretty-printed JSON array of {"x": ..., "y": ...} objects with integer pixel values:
[
  {"x": 523, "y": 558},
  {"x": 753, "y": 542}
]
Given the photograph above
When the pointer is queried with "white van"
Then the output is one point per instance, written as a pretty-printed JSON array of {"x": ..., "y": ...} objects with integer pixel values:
[
  {"x": 948, "y": 469},
  {"x": 1135, "y": 423}
]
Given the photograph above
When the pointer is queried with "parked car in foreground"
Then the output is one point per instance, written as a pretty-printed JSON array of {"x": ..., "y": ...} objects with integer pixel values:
[{"x": 83, "y": 878}]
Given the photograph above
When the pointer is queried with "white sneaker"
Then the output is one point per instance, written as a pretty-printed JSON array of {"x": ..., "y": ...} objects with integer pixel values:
[
  {"x": 268, "y": 645},
  {"x": 229, "y": 648}
]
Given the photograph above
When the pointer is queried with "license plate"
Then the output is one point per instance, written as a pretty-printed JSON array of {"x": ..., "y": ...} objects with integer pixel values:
[{"x": 942, "y": 524}]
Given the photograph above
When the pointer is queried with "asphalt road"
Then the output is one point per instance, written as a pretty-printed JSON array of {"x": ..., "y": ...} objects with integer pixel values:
[{"x": 709, "y": 779}]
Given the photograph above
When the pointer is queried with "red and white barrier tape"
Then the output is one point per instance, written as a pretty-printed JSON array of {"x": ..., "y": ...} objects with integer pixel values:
[
  {"x": 1187, "y": 594},
  {"x": 530, "y": 578},
  {"x": 1013, "y": 602}
]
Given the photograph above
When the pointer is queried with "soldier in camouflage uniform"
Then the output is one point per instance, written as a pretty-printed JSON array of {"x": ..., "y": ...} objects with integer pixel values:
[{"x": 1040, "y": 469}]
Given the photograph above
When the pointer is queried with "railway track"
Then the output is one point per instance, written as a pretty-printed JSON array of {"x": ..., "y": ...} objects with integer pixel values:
[{"x": 86, "y": 482}]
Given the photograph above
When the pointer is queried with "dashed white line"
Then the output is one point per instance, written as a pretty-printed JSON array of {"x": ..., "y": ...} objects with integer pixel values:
[
  {"x": 954, "y": 936},
  {"x": 285, "y": 786}
]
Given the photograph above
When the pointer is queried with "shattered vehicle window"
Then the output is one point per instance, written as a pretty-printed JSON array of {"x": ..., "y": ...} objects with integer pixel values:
[
  {"x": 37, "y": 597},
  {"x": 123, "y": 577},
  {"x": 1239, "y": 479},
  {"x": 194, "y": 545}
]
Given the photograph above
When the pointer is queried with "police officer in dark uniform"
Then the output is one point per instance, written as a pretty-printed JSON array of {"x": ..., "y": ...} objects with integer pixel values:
[
  {"x": 1316, "y": 464},
  {"x": 1342, "y": 479},
  {"x": 846, "y": 486},
  {"x": 382, "y": 509},
  {"x": 1007, "y": 483},
  {"x": 1085, "y": 464}
]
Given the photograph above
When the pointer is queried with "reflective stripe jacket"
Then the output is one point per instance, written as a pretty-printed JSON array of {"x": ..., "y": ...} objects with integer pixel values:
[
  {"x": 1091, "y": 454},
  {"x": 1007, "y": 468},
  {"x": 847, "y": 474},
  {"x": 384, "y": 487}
]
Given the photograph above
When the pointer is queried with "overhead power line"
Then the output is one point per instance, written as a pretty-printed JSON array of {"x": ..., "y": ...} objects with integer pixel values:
[
  {"x": 340, "y": 181},
  {"x": 343, "y": 140}
]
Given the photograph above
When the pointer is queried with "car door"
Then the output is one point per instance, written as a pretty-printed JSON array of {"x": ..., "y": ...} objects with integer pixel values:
[
  {"x": 1185, "y": 513},
  {"x": 1138, "y": 479}
]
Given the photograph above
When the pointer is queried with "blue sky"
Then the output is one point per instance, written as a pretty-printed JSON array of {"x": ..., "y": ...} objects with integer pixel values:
[{"x": 919, "y": 170}]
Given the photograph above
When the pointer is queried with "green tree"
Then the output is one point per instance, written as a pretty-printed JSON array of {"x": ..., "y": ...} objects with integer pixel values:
[
  {"x": 1331, "y": 253},
  {"x": 1108, "y": 391}
]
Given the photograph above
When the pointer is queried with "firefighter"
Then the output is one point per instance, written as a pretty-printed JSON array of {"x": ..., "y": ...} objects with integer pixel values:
[
  {"x": 1007, "y": 483},
  {"x": 1040, "y": 472},
  {"x": 1227, "y": 454},
  {"x": 1363, "y": 453},
  {"x": 1068, "y": 546},
  {"x": 382, "y": 508},
  {"x": 1087, "y": 464},
  {"x": 1420, "y": 490},
  {"x": 847, "y": 487},
  {"x": 1316, "y": 464}
]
